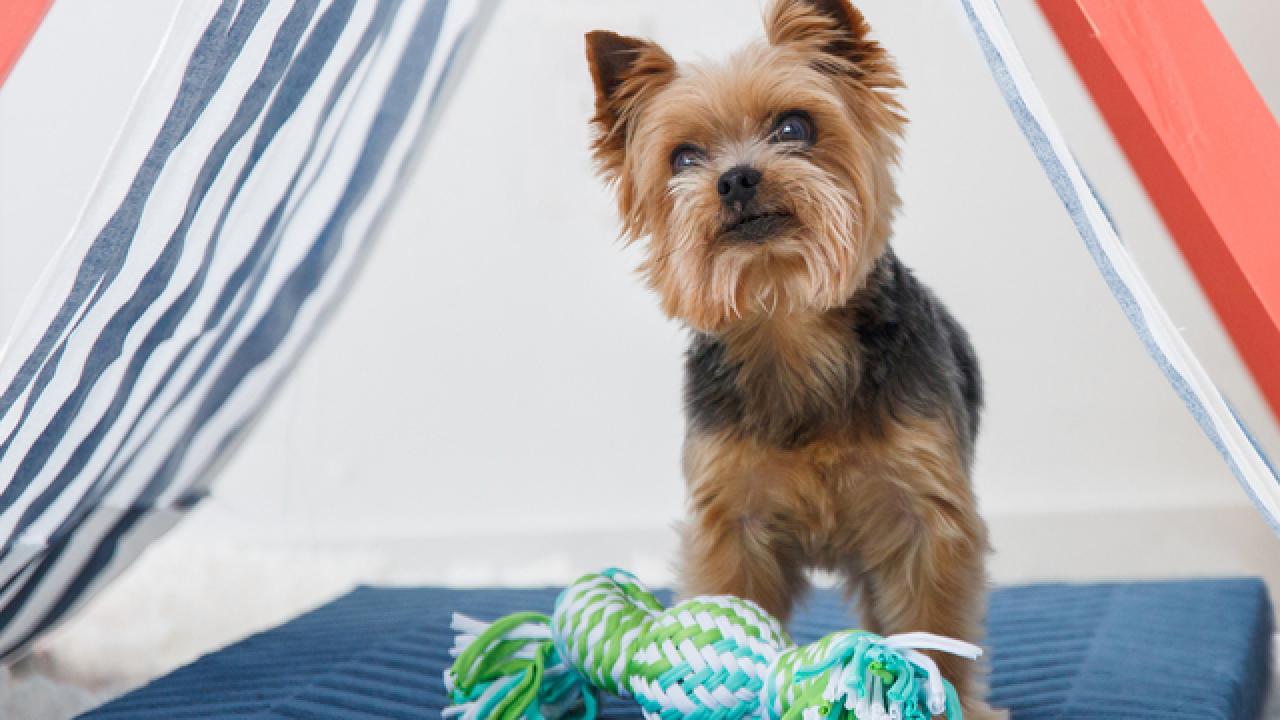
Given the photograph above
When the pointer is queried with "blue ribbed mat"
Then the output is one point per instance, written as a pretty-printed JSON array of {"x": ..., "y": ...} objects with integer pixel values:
[{"x": 1191, "y": 650}]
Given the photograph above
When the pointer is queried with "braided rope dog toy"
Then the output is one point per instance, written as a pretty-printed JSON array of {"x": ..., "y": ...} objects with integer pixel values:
[{"x": 707, "y": 658}]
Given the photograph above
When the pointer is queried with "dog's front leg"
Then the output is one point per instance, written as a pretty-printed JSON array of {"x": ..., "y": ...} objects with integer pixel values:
[
  {"x": 737, "y": 540},
  {"x": 921, "y": 550}
]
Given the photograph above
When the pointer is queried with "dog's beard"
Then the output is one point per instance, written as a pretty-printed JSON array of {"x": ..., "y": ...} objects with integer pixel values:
[{"x": 709, "y": 276}]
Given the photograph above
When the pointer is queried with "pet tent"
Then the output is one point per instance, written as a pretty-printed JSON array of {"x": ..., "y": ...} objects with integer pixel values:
[{"x": 264, "y": 147}]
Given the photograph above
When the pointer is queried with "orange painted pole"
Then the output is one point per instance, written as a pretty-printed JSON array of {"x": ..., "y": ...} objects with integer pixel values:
[
  {"x": 18, "y": 22},
  {"x": 1204, "y": 145}
]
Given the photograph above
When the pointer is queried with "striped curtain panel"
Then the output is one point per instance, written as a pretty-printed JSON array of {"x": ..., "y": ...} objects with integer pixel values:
[{"x": 260, "y": 156}]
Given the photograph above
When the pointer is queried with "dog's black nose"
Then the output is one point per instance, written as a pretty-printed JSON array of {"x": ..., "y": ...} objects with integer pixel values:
[{"x": 738, "y": 185}]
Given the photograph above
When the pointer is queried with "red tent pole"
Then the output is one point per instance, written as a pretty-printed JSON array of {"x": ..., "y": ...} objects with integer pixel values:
[
  {"x": 18, "y": 22},
  {"x": 1201, "y": 140}
]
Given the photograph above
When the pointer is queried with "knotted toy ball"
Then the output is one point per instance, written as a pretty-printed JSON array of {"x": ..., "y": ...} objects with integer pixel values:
[{"x": 707, "y": 658}]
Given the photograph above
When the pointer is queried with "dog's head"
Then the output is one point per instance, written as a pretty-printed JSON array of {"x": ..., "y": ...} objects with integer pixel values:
[{"x": 763, "y": 184}]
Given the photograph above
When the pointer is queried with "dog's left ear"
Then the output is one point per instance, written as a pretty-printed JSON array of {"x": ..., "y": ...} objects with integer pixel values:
[
  {"x": 626, "y": 71},
  {"x": 837, "y": 33}
]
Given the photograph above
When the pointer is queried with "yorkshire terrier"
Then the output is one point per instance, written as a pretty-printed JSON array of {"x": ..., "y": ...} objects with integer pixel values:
[{"x": 832, "y": 402}]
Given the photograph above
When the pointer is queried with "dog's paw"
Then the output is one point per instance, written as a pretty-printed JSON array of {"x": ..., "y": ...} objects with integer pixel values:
[{"x": 983, "y": 711}]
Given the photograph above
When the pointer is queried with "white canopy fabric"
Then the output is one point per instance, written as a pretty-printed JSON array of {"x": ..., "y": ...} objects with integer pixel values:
[{"x": 246, "y": 188}]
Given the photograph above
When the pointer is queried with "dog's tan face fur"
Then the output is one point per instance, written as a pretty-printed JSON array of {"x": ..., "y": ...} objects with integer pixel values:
[{"x": 835, "y": 199}]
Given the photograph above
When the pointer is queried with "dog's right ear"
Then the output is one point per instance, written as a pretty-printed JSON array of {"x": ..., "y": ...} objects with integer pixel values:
[
  {"x": 626, "y": 72},
  {"x": 837, "y": 34}
]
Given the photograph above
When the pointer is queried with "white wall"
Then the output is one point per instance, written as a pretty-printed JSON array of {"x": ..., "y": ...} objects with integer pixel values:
[{"x": 499, "y": 369}]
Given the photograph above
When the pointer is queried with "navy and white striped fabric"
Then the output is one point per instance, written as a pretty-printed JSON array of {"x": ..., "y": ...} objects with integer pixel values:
[
  {"x": 1157, "y": 331},
  {"x": 259, "y": 158}
]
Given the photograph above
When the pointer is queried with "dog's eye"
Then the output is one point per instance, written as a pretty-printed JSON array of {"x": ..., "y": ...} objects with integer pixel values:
[
  {"x": 794, "y": 127},
  {"x": 684, "y": 157}
]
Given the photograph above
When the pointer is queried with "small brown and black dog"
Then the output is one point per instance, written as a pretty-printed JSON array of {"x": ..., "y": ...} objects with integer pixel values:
[{"x": 832, "y": 401}]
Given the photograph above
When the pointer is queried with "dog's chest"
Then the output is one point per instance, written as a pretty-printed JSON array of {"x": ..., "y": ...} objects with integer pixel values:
[
  {"x": 784, "y": 382},
  {"x": 814, "y": 493}
]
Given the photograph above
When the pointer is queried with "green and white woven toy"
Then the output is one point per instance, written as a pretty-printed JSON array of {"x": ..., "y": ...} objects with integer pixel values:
[{"x": 707, "y": 658}]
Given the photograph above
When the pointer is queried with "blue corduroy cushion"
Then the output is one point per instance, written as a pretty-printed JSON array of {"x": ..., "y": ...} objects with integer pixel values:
[{"x": 1192, "y": 650}]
